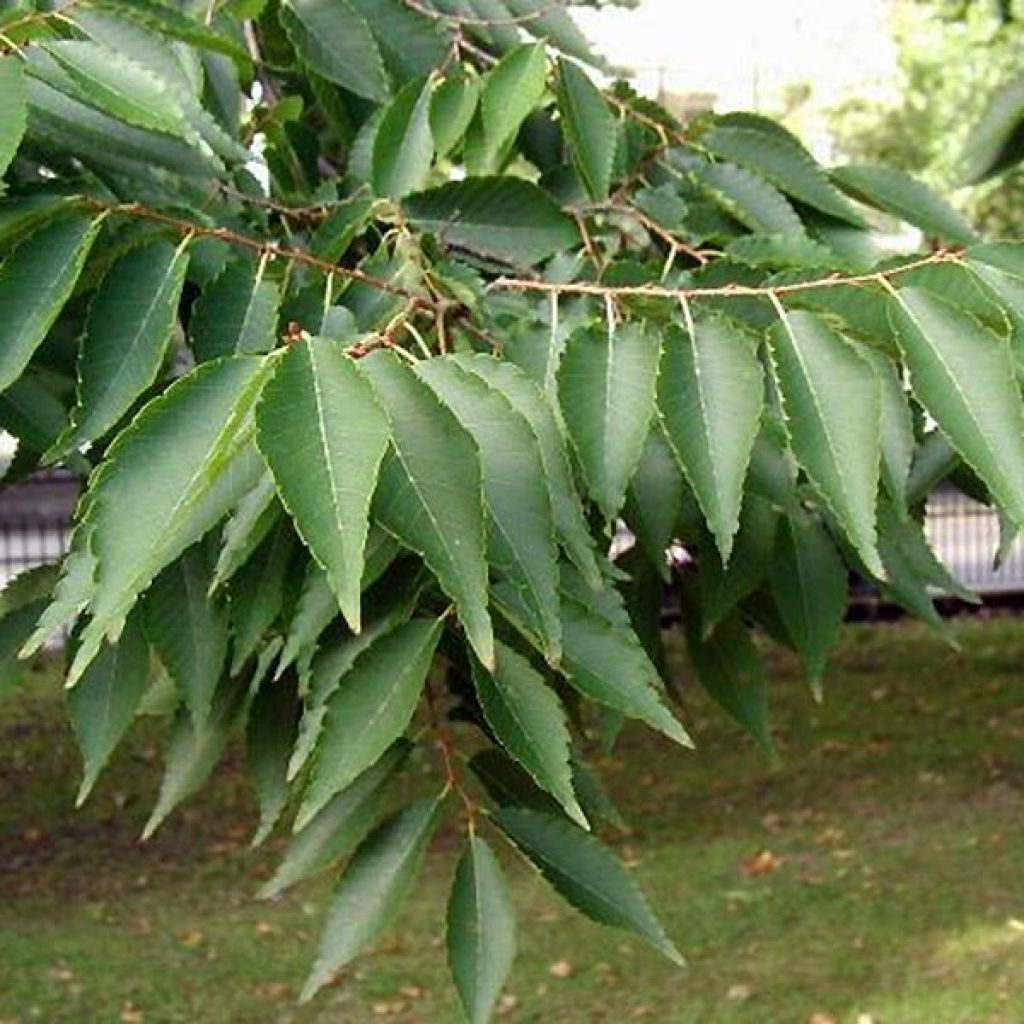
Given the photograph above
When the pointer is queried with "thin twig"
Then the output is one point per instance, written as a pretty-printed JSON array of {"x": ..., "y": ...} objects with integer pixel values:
[
  {"x": 141, "y": 212},
  {"x": 646, "y": 291}
]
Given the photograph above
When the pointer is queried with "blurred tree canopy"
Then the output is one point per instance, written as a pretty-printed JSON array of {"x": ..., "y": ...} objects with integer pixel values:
[{"x": 952, "y": 55}]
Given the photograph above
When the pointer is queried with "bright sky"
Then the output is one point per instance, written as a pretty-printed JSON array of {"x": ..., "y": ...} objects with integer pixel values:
[{"x": 744, "y": 50}]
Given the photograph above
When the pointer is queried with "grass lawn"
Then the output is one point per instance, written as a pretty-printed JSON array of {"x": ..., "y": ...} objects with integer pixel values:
[{"x": 876, "y": 875}]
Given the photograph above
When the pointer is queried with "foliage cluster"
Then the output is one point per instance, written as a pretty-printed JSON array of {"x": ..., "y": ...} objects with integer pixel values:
[{"x": 369, "y": 322}]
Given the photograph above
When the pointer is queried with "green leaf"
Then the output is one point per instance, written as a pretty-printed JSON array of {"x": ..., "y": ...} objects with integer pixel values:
[
  {"x": 251, "y": 521},
  {"x": 995, "y": 143},
  {"x": 656, "y": 495},
  {"x": 157, "y": 15},
  {"x": 118, "y": 86},
  {"x": 403, "y": 148},
  {"x": 898, "y": 193},
  {"x": 833, "y": 405},
  {"x": 766, "y": 148},
  {"x": 606, "y": 388},
  {"x": 339, "y": 827},
  {"x": 722, "y": 587},
  {"x": 373, "y": 888},
  {"x": 590, "y": 127},
  {"x": 315, "y": 609},
  {"x": 410, "y": 45},
  {"x": 186, "y": 460},
  {"x": 809, "y": 585},
  {"x": 529, "y": 401},
  {"x": 270, "y": 735},
  {"x": 511, "y": 92},
  {"x": 750, "y": 199},
  {"x": 126, "y": 337},
  {"x": 585, "y": 873},
  {"x": 430, "y": 495},
  {"x": 236, "y": 314},
  {"x": 257, "y": 594},
  {"x": 370, "y": 709},
  {"x": 13, "y": 113},
  {"x": 452, "y": 108},
  {"x": 962, "y": 373},
  {"x": 521, "y": 544},
  {"x": 505, "y": 219},
  {"x": 104, "y": 703},
  {"x": 194, "y": 750},
  {"x": 609, "y": 665},
  {"x": 710, "y": 396},
  {"x": 481, "y": 931},
  {"x": 526, "y": 716},
  {"x": 393, "y": 607},
  {"x": 729, "y": 668},
  {"x": 332, "y": 38},
  {"x": 324, "y": 435},
  {"x": 35, "y": 282},
  {"x": 189, "y": 630},
  {"x": 898, "y": 441},
  {"x": 999, "y": 267}
]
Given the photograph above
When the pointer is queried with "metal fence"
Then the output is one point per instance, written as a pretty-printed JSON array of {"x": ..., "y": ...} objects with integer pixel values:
[{"x": 35, "y": 518}]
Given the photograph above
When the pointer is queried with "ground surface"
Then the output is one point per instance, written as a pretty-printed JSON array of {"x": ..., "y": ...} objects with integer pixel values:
[{"x": 877, "y": 875}]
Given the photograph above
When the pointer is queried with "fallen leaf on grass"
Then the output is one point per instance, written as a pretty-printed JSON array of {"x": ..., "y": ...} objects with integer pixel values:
[
  {"x": 763, "y": 863},
  {"x": 561, "y": 969}
]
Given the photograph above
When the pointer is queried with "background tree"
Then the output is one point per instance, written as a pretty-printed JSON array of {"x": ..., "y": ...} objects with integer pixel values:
[
  {"x": 951, "y": 58},
  {"x": 368, "y": 323}
]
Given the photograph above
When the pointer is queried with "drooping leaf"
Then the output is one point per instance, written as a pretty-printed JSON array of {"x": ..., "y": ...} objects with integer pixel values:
[
  {"x": 809, "y": 585},
  {"x": 584, "y": 872},
  {"x": 606, "y": 388},
  {"x": 202, "y": 419},
  {"x": 35, "y": 282},
  {"x": 730, "y": 669},
  {"x": 962, "y": 373},
  {"x": 236, "y": 314},
  {"x": 104, "y": 703},
  {"x": 403, "y": 148},
  {"x": 430, "y": 493},
  {"x": 655, "y": 499},
  {"x": 896, "y": 192},
  {"x": 339, "y": 827},
  {"x": 371, "y": 708},
  {"x": 590, "y": 127},
  {"x": 336, "y": 660},
  {"x": 505, "y": 219},
  {"x": 323, "y": 434},
  {"x": 13, "y": 113},
  {"x": 710, "y": 395},
  {"x": 194, "y": 750},
  {"x": 126, "y": 337},
  {"x": 481, "y": 931},
  {"x": 270, "y": 735},
  {"x": 605, "y": 661},
  {"x": 529, "y": 402},
  {"x": 336, "y": 42},
  {"x": 526, "y": 716},
  {"x": 257, "y": 594},
  {"x": 373, "y": 888},
  {"x": 897, "y": 428},
  {"x": 188, "y": 629},
  {"x": 521, "y": 543},
  {"x": 411, "y": 45},
  {"x": 833, "y": 405}
]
